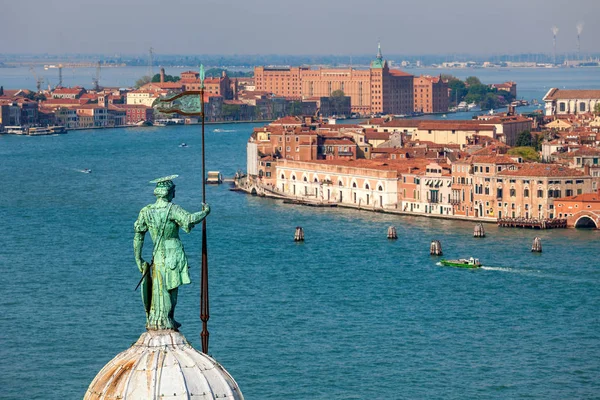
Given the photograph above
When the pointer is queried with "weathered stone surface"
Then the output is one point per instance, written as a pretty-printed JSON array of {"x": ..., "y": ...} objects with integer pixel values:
[{"x": 162, "y": 365}]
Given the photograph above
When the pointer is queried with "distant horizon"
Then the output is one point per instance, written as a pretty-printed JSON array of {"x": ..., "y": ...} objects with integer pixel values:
[{"x": 313, "y": 27}]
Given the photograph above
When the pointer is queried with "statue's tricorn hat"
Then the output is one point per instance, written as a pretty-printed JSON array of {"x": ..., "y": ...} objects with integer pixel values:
[{"x": 166, "y": 181}]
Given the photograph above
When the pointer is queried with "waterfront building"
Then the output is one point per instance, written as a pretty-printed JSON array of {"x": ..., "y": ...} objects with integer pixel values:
[
  {"x": 144, "y": 97},
  {"x": 376, "y": 90},
  {"x": 66, "y": 117},
  {"x": 218, "y": 86},
  {"x": 510, "y": 87},
  {"x": 360, "y": 183},
  {"x": 581, "y": 211},
  {"x": 92, "y": 116},
  {"x": 135, "y": 113},
  {"x": 563, "y": 102},
  {"x": 431, "y": 190},
  {"x": 430, "y": 94},
  {"x": 10, "y": 113},
  {"x": 477, "y": 187}
]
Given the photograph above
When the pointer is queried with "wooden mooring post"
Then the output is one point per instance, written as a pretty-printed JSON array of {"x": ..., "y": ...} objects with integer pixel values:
[
  {"x": 299, "y": 234},
  {"x": 435, "y": 248},
  {"x": 479, "y": 231},
  {"x": 536, "y": 247},
  {"x": 392, "y": 233}
]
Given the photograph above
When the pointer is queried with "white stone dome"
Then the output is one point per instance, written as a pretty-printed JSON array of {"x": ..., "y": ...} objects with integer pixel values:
[{"x": 162, "y": 365}]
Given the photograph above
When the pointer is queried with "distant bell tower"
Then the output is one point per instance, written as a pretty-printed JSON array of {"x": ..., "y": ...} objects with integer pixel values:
[
  {"x": 162, "y": 75},
  {"x": 378, "y": 62}
]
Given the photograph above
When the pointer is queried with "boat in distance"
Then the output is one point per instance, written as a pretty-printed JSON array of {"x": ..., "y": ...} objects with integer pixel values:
[{"x": 462, "y": 263}]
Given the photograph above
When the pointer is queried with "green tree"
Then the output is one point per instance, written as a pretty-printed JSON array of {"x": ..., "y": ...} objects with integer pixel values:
[
  {"x": 524, "y": 139},
  {"x": 472, "y": 80},
  {"x": 526, "y": 153},
  {"x": 597, "y": 109},
  {"x": 168, "y": 78},
  {"x": 458, "y": 89},
  {"x": 538, "y": 140},
  {"x": 142, "y": 81}
]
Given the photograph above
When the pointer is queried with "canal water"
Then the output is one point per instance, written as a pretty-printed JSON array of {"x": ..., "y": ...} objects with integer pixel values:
[{"x": 346, "y": 315}]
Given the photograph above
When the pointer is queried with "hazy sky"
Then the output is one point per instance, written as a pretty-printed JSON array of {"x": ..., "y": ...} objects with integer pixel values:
[{"x": 296, "y": 27}]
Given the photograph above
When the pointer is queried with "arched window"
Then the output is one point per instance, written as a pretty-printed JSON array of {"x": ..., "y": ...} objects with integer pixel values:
[
  {"x": 380, "y": 188},
  {"x": 340, "y": 183},
  {"x": 316, "y": 180},
  {"x": 353, "y": 184},
  {"x": 367, "y": 186},
  {"x": 526, "y": 193},
  {"x": 293, "y": 177},
  {"x": 305, "y": 180},
  {"x": 282, "y": 176}
]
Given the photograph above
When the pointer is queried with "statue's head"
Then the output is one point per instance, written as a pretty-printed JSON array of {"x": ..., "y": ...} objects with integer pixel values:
[{"x": 165, "y": 188}]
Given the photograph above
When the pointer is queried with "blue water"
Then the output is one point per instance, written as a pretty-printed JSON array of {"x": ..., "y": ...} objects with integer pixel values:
[
  {"x": 532, "y": 83},
  {"x": 346, "y": 315}
]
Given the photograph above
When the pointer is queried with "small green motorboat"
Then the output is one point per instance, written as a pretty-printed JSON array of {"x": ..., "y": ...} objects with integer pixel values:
[{"x": 462, "y": 263}]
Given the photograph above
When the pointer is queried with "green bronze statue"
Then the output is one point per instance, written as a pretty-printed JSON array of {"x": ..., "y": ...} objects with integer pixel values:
[{"x": 168, "y": 269}]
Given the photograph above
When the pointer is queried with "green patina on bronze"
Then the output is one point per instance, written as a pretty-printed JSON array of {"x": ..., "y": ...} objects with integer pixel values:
[
  {"x": 169, "y": 267},
  {"x": 184, "y": 103}
]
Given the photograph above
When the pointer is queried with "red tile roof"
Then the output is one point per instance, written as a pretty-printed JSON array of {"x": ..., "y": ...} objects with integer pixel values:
[
  {"x": 556, "y": 94},
  {"x": 541, "y": 170},
  {"x": 586, "y": 197}
]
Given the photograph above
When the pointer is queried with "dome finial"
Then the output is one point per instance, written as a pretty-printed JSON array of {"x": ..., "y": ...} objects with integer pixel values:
[{"x": 379, "y": 56}]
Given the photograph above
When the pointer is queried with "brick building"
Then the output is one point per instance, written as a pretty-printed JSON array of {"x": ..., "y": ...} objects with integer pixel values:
[
  {"x": 430, "y": 94},
  {"x": 581, "y": 211},
  {"x": 376, "y": 90}
]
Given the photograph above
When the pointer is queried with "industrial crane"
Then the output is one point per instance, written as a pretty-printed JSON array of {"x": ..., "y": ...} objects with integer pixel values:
[{"x": 38, "y": 81}]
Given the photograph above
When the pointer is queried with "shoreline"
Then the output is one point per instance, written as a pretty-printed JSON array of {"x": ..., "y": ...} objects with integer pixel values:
[
  {"x": 67, "y": 130},
  {"x": 307, "y": 203}
]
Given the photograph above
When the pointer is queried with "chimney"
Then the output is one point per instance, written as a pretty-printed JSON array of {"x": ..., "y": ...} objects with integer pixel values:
[{"x": 162, "y": 75}]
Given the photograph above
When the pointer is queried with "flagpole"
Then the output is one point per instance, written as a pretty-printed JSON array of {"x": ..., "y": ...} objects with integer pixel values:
[{"x": 204, "y": 313}]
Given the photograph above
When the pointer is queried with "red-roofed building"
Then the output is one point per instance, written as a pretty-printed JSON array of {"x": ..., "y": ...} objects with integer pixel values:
[
  {"x": 376, "y": 90},
  {"x": 430, "y": 94},
  {"x": 563, "y": 102},
  {"x": 68, "y": 93},
  {"x": 581, "y": 211},
  {"x": 135, "y": 113},
  {"x": 510, "y": 87}
]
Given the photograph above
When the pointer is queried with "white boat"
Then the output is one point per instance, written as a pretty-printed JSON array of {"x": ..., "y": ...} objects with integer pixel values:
[
  {"x": 36, "y": 131},
  {"x": 183, "y": 144},
  {"x": 57, "y": 129},
  {"x": 159, "y": 124},
  {"x": 15, "y": 130},
  {"x": 471, "y": 106},
  {"x": 86, "y": 171}
]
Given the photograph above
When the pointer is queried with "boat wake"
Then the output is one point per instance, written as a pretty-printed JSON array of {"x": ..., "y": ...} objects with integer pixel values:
[
  {"x": 508, "y": 269},
  {"x": 224, "y": 130}
]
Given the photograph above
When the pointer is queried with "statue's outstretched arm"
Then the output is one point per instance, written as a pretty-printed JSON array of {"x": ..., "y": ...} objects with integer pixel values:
[{"x": 188, "y": 220}]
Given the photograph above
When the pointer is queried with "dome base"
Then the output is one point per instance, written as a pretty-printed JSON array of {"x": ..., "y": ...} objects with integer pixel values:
[{"x": 162, "y": 364}]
